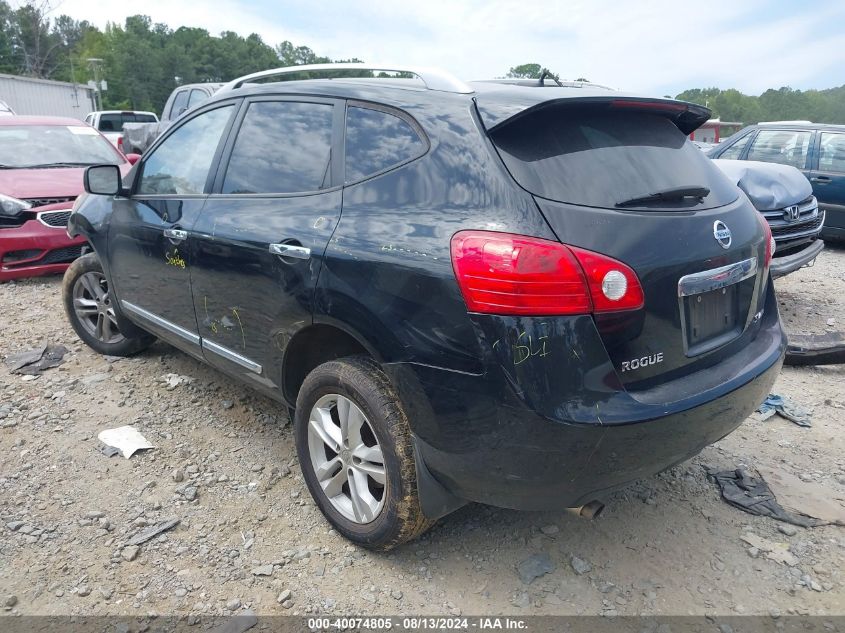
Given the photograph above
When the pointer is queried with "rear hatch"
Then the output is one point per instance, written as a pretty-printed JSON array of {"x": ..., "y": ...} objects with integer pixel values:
[{"x": 618, "y": 176}]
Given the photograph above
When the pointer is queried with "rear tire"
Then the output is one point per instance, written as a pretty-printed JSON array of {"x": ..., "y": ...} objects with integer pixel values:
[
  {"x": 88, "y": 306},
  {"x": 356, "y": 454}
]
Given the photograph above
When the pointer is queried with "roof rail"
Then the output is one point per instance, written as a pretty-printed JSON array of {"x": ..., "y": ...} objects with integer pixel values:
[
  {"x": 433, "y": 78},
  {"x": 785, "y": 123}
]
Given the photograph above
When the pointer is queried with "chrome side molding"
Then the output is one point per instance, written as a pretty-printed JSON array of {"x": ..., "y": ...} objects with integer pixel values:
[
  {"x": 225, "y": 352},
  {"x": 145, "y": 315}
]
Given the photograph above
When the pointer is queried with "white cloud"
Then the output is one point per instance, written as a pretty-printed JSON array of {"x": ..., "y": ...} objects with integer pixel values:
[{"x": 662, "y": 45}]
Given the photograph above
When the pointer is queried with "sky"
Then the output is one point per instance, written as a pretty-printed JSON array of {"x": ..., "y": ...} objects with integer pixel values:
[{"x": 648, "y": 46}]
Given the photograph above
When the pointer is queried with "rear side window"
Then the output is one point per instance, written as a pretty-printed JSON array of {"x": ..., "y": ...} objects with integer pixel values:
[
  {"x": 832, "y": 152},
  {"x": 282, "y": 147},
  {"x": 376, "y": 141},
  {"x": 602, "y": 158},
  {"x": 735, "y": 150},
  {"x": 180, "y": 102},
  {"x": 787, "y": 147}
]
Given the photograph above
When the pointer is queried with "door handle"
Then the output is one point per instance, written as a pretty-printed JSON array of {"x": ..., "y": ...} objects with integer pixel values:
[
  {"x": 822, "y": 180},
  {"x": 176, "y": 235},
  {"x": 290, "y": 250}
]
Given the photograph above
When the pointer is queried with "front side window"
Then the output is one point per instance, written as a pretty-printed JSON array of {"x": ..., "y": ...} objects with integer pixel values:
[
  {"x": 787, "y": 147},
  {"x": 832, "y": 152},
  {"x": 180, "y": 164},
  {"x": 735, "y": 150},
  {"x": 197, "y": 97},
  {"x": 376, "y": 141},
  {"x": 282, "y": 147}
]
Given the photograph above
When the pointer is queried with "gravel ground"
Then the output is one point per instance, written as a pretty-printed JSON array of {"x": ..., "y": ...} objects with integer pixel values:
[{"x": 249, "y": 535}]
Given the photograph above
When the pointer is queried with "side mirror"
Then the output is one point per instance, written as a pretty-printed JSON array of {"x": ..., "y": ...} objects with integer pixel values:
[
  {"x": 103, "y": 180},
  {"x": 133, "y": 158}
]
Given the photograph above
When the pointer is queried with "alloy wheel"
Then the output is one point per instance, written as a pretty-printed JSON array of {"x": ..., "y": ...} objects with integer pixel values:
[
  {"x": 92, "y": 306},
  {"x": 347, "y": 458}
]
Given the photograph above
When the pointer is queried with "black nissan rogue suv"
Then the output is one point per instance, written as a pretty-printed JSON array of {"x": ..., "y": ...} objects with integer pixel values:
[{"x": 517, "y": 294}]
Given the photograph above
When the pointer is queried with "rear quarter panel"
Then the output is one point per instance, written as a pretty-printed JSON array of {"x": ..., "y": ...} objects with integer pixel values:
[{"x": 388, "y": 275}]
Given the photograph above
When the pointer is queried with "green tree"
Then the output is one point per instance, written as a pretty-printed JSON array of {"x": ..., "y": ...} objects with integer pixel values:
[{"x": 525, "y": 71}]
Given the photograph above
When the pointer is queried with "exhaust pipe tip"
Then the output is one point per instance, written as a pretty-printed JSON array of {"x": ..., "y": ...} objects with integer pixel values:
[{"x": 589, "y": 510}]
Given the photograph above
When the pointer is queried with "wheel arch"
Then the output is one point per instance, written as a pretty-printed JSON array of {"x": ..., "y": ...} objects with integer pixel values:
[{"x": 317, "y": 344}]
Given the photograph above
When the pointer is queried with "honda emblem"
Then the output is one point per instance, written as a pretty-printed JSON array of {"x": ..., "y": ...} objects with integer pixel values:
[{"x": 791, "y": 214}]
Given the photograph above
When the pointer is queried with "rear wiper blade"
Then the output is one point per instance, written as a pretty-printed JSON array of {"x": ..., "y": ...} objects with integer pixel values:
[{"x": 678, "y": 193}]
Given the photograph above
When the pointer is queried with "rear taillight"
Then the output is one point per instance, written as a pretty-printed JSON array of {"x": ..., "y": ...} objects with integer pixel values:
[
  {"x": 500, "y": 273},
  {"x": 770, "y": 241},
  {"x": 120, "y": 143},
  {"x": 613, "y": 285}
]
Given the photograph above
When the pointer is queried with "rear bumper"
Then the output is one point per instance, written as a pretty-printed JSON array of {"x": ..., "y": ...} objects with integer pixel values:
[
  {"x": 789, "y": 263},
  {"x": 489, "y": 441},
  {"x": 48, "y": 243}
]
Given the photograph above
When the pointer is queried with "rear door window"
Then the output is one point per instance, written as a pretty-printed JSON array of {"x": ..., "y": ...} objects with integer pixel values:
[
  {"x": 832, "y": 152},
  {"x": 598, "y": 158},
  {"x": 377, "y": 141},
  {"x": 282, "y": 147},
  {"x": 787, "y": 147},
  {"x": 180, "y": 103}
]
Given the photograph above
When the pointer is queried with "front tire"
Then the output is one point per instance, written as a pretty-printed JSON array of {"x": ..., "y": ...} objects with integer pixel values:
[
  {"x": 354, "y": 446},
  {"x": 88, "y": 306}
]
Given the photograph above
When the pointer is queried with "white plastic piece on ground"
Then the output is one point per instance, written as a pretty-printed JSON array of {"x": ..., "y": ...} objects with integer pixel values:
[{"x": 126, "y": 439}]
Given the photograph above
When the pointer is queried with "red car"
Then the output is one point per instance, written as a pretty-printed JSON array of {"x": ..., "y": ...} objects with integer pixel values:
[{"x": 42, "y": 160}]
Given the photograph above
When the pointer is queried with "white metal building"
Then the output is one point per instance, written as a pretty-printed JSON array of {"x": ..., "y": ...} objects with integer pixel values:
[{"x": 27, "y": 95}]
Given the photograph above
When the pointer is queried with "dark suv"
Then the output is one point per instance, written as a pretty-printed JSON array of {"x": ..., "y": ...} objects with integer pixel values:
[
  {"x": 521, "y": 295},
  {"x": 816, "y": 149}
]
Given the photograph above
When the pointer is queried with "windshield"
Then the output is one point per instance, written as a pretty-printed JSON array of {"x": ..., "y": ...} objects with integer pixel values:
[
  {"x": 45, "y": 145},
  {"x": 609, "y": 159},
  {"x": 113, "y": 121}
]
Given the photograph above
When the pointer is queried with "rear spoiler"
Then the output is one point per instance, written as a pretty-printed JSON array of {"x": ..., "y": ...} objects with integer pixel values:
[{"x": 686, "y": 116}]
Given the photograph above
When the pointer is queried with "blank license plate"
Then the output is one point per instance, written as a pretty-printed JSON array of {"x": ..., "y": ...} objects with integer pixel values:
[{"x": 712, "y": 318}]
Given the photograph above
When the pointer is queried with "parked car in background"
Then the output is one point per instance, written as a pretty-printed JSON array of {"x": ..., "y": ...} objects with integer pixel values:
[
  {"x": 520, "y": 295},
  {"x": 110, "y": 123},
  {"x": 42, "y": 162},
  {"x": 138, "y": 137},
  {"x": 818, "y": 150},
  {"x": 5, "y": 109},
  {"x": 785, "y": 198}
]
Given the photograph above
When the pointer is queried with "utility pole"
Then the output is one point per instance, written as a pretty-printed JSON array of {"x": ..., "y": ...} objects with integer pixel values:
[{"x": 94, "y": 65}]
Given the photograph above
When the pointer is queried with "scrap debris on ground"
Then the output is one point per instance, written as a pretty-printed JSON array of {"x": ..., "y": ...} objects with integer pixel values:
[
  {"x": 816, "y": 349},
  {"x": 785, "y": 408},
  {"x": 33, "y": 362},
  {"x": 125, "y": 440},
  {"x": 754, "y": 496}
]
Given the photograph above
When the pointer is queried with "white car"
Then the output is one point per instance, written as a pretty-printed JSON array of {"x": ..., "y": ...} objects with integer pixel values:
[{"x": 110, "y": 122}]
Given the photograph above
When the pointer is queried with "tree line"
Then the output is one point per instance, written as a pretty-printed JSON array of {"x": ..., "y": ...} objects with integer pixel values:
[
  {"x": 143, "y": 62},
  {"x": 783, "y": 104}
]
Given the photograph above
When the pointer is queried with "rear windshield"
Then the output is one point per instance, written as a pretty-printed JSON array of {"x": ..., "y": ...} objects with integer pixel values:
[
  {"x": 24, "y": 146},
  {"x": 603, "y": 158},
  {"x": 113, "y": 122}
]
